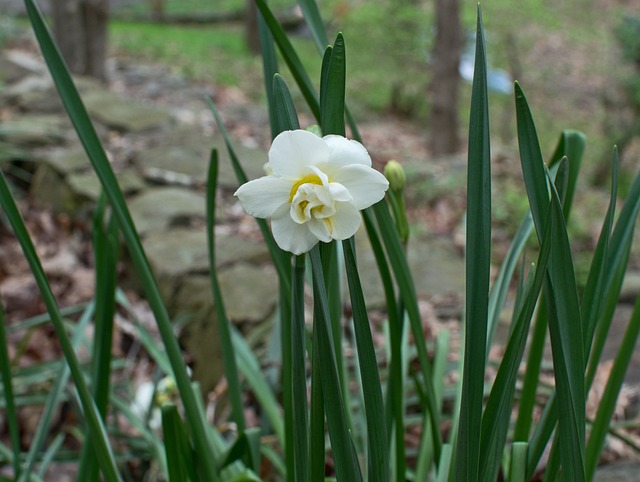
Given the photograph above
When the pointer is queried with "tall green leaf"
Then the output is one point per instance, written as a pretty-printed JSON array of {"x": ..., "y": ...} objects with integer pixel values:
[
  {"x": 222, "y": 321},
  {"x": 477, "y": 270},
  {"x": 378, "y": 455},
  {"x": 97, "y": 430},
  {"x": 291, "y": 58},
  {"x": 565, "y": 329},
  {"x": 497, "y": 414},
  {"x": 7, "y": 384},
  {"x": 106, "y": 245},
  {"x": 332, "y": 89},
  {"x": 344, "y": 455},
  {"x": 180, "y": 463},
  {"x": 314, "y": 22},
  {"x": 532, "y": 164},
  {"x": 81, "y": 122}
]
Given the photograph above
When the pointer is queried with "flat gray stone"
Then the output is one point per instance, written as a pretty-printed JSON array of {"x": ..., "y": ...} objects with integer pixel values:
[
  {"x": 87, "y": 184},
  {"x": 250, "y": 295},
  {"x": 436, "y": 267},
  {"x": 123, "y": 114},
  {"x": 618, "y": 472},
  {"x": 66, "y": 161},
  {"x": 11, "y": 71},
  {"x": 48, "y": 188},
  {"x": 34, "y": 130},
  {"x": 177, "y": 252},
  {"x": 160, "y": 207},
  {"x": 182, "y": 156},
  {"x": 249, "y": 292}
]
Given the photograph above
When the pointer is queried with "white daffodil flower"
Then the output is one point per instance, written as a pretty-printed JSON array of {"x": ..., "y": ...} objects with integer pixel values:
[{"x": 315, "y": 191}]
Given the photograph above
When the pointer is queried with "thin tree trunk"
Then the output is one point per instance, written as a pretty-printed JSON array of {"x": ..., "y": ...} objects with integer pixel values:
[
  {"x": 445, "y": 85},
  {"x": 68, "y": 30},
  {"x": 251, "y": 26},
  {"x": 80, "y": 30},
  {"x": 96, "y": 20}
]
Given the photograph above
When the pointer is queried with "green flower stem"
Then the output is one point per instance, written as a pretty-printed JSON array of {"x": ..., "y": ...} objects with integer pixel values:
[
  {"x": 345, "y": 458},
  {"x": 298, "y": 375}
]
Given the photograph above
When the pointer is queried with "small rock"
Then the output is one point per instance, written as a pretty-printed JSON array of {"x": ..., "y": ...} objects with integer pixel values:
[
  {"x": 122, "y": 114},
  {"x": 436, "y": 267},
  {"x": 35, "y": 130},
  {"x": 161, "y": 207},
  {"x": 87, "y": 184},
  {"x": 618, "y": 472}
]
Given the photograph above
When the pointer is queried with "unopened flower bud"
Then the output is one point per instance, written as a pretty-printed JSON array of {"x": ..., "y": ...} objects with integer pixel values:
[
  {"x": 394, "y": 172},
  {"x": 314, "y": 129}
]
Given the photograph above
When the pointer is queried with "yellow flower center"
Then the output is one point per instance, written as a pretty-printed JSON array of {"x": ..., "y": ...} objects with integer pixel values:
[{"x": 308, "y": 179}]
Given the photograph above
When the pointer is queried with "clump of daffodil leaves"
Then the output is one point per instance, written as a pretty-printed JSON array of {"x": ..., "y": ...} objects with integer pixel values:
[{"x": 315, "y": 191}]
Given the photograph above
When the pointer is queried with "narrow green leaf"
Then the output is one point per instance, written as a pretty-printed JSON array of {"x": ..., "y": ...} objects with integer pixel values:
[
  {"x": 502, "y": 283},
  {"x": 565, "y": 330},
  {"x": 312, "y": 16},
  {"x": 332, "y": 91},
  {"x": 54, "y": 398},
  {"x": 531, "y": 376},
  {"x": 316, "y": 415},
  {"x": 345, "y": 458},
  {"x": 378, "y": 455},
  {"x": 250, "y": 368},
  {"x": 245, "y": 450},
  {"x": 12, "y": 416},
  {"x": 97, "y": 430},
  {"x": 222, "y": 321},
  {"x": 532, "y": 164},
  {"x": 286, "y": 117},
  {"x": 106, "y": 245},
  {"x": 477, "y": 271},
  {"x": 592, "y": 302},
  {"x": 91, "y": 143},
  {"x": 398, "y": 262},
  {"x": 324, "y": 77},
  {"x": 280, "y": 259},
  {"x": 600, "y": 426},
  {"x": 444, "y": 464},
  {"x": 180, "y": 463},
  {"x": 571, "y": 145},
  {"x": 291, "y": 58},
  {"x": 497, "y": 414}
]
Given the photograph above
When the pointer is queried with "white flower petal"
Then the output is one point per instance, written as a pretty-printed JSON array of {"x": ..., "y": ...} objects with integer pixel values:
[
  {"x": 339, "y": 193},
  {"x": 366, "y": 185},
  {"x": 292, "y": 152},
  {"x": 291, "y": 236},
  {"x": 345, "y": 152},
  {"x": 320, "y": 228},
  {"x": 263, "y": 196},
  {"x": 346, "y": 221}
]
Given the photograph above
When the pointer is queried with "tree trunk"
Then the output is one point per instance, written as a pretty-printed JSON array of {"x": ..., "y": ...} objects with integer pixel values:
[
  {"x": 445, "y": 83},
  {"x": 252, "y": 34},
  {"x": 80, "y": 29}
]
